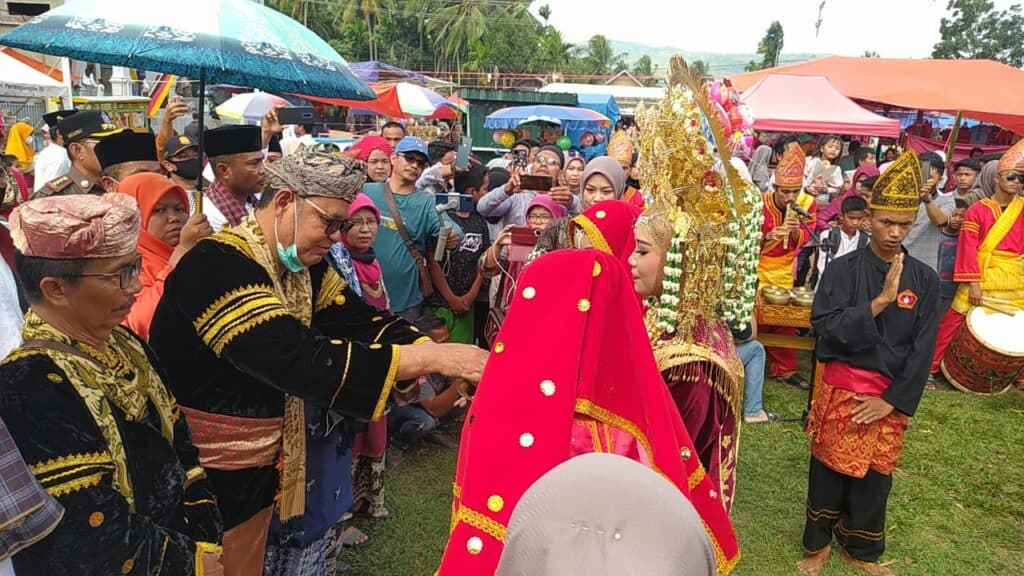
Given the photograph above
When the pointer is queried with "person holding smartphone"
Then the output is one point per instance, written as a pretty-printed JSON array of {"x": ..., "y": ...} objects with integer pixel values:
[{"x": 510, "y": 202}]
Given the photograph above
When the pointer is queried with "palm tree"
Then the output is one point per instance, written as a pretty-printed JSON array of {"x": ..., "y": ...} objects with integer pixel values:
[
  {"x": 600, "y": 59},
  {"x": 459, "y": 25},
  {"x": 367, "y": 10},
  {"x": 553, "y": 54}
]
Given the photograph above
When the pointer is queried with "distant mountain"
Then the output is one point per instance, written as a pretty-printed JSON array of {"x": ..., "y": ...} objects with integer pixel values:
[{"x": 718, "y": 64}]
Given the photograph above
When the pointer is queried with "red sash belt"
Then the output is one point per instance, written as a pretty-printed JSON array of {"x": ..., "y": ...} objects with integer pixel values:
[
  {"x": 859, "y": 380},
  {"x": 232, "y": 442}
]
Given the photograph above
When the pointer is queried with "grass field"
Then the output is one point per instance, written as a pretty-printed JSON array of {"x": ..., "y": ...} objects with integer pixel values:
[{"x": 957, "y": 505}]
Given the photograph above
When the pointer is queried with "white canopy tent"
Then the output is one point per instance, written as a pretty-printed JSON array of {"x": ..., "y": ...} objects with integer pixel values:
[{"x": 19, "y": 80}]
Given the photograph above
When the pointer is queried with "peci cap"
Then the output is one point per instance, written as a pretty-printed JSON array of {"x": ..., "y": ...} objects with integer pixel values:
[
  {"x": 126, "y": 146},
  {"x": 232, "y": 139}
]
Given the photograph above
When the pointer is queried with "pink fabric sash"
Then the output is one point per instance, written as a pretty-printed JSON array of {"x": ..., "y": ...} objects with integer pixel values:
[{"x": 859, "y": 380}]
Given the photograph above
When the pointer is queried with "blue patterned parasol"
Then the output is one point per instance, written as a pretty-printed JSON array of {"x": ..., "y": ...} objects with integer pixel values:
[{"x": 219, "y": 41}]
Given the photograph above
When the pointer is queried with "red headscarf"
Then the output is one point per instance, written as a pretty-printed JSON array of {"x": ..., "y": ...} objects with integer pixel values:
[
  {"x": 148, "y": 188},
  {"x": 597, "y": 367},
  {"x": 610, "y": 226},
  {"x": 361, "y": 150}
]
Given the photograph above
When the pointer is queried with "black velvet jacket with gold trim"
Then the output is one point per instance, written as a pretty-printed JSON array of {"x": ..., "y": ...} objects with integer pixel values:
[
  {"x": 67, "y": 451},
  {"x": 231, "y": 347}
]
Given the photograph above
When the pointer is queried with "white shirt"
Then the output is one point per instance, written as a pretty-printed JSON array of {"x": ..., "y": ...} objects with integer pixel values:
[
  {"x": 847, "y": 244},
  {"x": 11, "y": 317},
  {"x": 51, "y": 163}
]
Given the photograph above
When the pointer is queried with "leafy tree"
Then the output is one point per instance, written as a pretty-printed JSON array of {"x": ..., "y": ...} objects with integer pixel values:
[
  {"x": 700, "y": 68},
  {"x": 975, "y": 29},
  {"x": 600, "y": 59},
  {"x": 545, "y": 13},
  {"x": 769, "y": 48},
  {"x": 870, "y": 54},
  {"x": 553, "y": 54},
  {"x": 368, "y": 11}
]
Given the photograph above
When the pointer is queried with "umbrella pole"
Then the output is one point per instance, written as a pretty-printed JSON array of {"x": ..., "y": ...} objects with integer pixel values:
[{"x": 202, "y": 138}]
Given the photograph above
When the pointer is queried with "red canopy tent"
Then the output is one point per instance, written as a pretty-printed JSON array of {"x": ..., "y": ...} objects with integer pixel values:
[
  {"x": 982, "y": 89},
  {"x": 811, "y": 104}
]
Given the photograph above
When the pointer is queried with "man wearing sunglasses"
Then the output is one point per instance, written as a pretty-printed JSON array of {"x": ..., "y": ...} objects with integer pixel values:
[
  {"x": 262, "y": 339},
  {"x": 404, "y": 239},
  {"x": 988, "y": 257},
  {"x": 122, "y": 465},
  {"x": 509, "y": 202}
]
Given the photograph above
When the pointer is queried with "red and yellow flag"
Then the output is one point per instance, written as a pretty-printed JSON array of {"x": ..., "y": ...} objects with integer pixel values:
[{"x": 164, "y": 85}]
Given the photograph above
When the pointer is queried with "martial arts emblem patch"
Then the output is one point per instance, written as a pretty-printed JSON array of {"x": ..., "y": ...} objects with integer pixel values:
[{"x": 906, "y": 299}]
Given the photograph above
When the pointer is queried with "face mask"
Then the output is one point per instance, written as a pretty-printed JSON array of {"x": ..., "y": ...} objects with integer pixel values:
[
  {"x": 188, "y": 169},
  {"x": 289, "y": 257}
]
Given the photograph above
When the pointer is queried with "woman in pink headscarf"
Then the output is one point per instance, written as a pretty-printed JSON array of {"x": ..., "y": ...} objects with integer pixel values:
[
  {"x": 368, "y": 452},
  {"x": 506, "y": 259},
  {"x": 376, "y": 152}
]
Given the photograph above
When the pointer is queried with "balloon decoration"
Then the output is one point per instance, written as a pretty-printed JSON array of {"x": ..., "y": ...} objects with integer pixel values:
[
  {"x": 734, "y": 116},
  {"x": 564, "y": 142},
  {"x": 508, "y": 139},
  {"x": 525, "y": 133}
]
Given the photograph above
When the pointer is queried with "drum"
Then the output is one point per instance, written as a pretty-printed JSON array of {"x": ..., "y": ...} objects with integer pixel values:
[{"x": 986, "y": 355}]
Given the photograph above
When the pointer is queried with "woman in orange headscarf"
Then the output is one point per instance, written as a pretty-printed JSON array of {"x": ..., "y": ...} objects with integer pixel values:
[
  {"x": 547, "y": 396},
  {"x": 167, "y": 234},
  {"x": 19, "y": 145}
]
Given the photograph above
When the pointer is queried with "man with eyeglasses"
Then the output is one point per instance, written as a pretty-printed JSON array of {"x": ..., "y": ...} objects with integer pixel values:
[
  {"x": 988, "y": 257},
  {"x": 402, "y": 260},
  {"x": 81, "y": 132},
  {"x": 86, "y": 403},
  {"x": 509, "y": 202},
  {"x": 263, "y": 341}
]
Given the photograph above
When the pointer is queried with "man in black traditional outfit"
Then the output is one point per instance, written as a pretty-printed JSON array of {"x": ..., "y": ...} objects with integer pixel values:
[
  {"x": 85, "y": 402},
  {"x": 253, "y": 321},
  {"x": 876, "y": 314}
]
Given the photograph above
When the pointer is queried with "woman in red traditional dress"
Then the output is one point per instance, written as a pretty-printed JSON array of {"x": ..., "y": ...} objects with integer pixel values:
[{"x": 591, "y": 386}]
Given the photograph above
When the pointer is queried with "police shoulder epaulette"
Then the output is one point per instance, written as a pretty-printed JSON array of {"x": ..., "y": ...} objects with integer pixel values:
[{"x": 58, "y": 184}]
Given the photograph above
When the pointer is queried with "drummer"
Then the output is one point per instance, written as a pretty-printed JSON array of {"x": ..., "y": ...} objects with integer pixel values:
[
  {"x": 875, "y": 314},
  {"x": 988, "y": 257}
]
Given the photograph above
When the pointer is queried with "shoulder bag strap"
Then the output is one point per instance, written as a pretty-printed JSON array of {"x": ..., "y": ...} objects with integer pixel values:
[{"x": 397, "y": 218}]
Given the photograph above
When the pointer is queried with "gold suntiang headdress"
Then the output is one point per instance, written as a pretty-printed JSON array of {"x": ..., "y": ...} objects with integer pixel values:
[
  {"x": 898, "y": 189},
  {"x": 697, "y": 203}
]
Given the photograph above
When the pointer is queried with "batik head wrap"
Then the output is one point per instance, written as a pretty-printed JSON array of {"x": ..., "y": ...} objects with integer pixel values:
[
  {"x": 318, "y": 174},
  {"x": 76, "y": 226}
]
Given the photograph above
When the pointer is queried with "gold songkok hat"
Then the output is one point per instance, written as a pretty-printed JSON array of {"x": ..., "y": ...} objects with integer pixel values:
[
  {"x": 898, "y": 189},
  {"x": 789, "y": 174},
  {"x": 1012, "y": 159}
]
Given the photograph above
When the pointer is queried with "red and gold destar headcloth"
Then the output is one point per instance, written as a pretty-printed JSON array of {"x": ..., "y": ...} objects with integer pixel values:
[
  {"x": 596, "y": 367},
  {"x": 790, "y": 171},
  {"x": 1012, "y": 159}
]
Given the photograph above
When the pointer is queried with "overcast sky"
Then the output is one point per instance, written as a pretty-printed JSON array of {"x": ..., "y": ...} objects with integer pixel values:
[{"x": 893, "y": 28}]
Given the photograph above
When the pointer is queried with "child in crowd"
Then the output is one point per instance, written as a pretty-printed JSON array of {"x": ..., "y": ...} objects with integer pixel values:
[
  {"x": 949, "y": 239},
  {"x": 847, "y": 236},
  {"x": 419, "y": 410},
  {"x": 457, "y": 280}
]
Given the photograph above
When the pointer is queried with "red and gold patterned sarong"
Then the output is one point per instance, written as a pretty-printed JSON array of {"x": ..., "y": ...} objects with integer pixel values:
[
  {"x": 232, "y": 442},
  {"x": 838, "y": 442}
]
